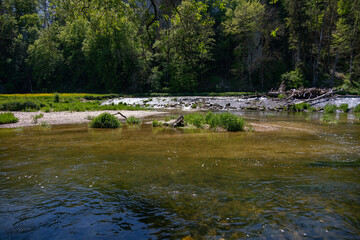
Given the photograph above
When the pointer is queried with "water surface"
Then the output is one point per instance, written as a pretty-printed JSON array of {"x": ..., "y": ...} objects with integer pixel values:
[{"x": 72, "y": 182}]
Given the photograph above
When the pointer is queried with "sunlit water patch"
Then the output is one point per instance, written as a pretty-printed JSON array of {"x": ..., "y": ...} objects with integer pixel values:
[{"x": 151, "y": 183}]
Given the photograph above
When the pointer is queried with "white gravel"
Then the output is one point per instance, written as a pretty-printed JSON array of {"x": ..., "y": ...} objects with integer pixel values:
[{"x": 26, "y": 118}]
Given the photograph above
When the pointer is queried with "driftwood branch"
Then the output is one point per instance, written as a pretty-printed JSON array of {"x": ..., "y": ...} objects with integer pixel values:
[{"x": 120, "y": 115}]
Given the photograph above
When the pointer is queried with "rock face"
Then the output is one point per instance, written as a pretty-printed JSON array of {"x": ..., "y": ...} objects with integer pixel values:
[{"x": 175, "y": 122}]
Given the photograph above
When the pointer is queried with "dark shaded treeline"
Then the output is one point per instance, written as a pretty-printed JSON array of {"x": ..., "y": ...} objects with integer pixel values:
[{"x": 177, "y": 46}]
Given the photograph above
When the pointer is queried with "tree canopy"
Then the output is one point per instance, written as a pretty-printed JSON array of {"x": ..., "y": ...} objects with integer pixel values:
[{"x": 177, "y": 45}]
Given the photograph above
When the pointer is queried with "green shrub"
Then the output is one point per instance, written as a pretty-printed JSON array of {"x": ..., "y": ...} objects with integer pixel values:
[
  {"x": 133, "y": 120},
  {"x": 228, "y": 121},
  {"x": 327, "y": 119},
  {"x": 293, "y": 79},
  {"x": 56, "y": 98},
  {"x": 105, "y": 120},
  {"x": 36, "y": 117},
  {"x": 311, "y": 109},
  {"x": 330, "y": 108},
  {"x": 212, "y": 119},
  {"x": 196, "y": 119},
  {"x": 357, "y": 108},
  {"x": 232, "y": 122},
  {"x": 344, "y": 107},
  {"x": 17, "y": 105},
  {"x": 280, "y": 96},
  {"x": 8, "y": 118},
  {"x": 156, "y": 123},
  {"x": 301, "y": 107}
]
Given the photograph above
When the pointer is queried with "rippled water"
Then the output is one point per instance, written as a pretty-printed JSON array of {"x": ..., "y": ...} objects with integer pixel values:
[{"x": 72, "y": 182}]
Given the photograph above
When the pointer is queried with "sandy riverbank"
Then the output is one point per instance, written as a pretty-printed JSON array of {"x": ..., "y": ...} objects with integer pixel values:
[{"x": 26, "y": 118}]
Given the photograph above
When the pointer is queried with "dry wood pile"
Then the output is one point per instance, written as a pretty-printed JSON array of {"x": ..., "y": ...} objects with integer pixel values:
[{"x": 301, "y": 93}]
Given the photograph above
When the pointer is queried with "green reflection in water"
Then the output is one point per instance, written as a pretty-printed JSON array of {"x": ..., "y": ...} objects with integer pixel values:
[{"x": 144, "y": 182}]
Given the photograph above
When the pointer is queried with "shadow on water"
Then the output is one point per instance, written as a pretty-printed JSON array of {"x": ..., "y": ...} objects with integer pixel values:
[{"x": 301, "y": 180}]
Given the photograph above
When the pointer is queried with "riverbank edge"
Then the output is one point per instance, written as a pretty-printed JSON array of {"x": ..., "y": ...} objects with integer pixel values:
[{"x": 26, "y": 119}]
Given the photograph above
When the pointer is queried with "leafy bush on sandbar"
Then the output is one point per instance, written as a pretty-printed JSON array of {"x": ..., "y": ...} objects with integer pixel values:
[
  {"x": 105, "y": 120},
  {"x": 8, "y": 118},
  {"x": 228, "y": 121},
  {"x": 344, "y": 107},
  {"x": 357, "y": 108},
  {"x": 133, "y": 120},
  {"x": 156, "y": 123},
  {"x": 330, "y": 108},
  {"x": 196, "y": 119},
  {"x": 328, "y": 119},
  {"x": 232, "y": 122},
  {"x": 299, "y": 107}
]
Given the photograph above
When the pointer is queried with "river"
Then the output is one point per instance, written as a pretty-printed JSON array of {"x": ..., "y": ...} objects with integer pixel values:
[{"x": 301, "y": 181}]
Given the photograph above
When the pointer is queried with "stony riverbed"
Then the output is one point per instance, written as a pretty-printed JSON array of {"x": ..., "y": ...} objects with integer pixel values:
[{"x": 228, "y": 103}]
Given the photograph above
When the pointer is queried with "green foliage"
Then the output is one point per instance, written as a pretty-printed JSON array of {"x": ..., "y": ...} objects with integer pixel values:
[
  {"x": 328, "y": 119},
  {"x": 8, "y": 118},
  {"x": 301, "y": 107},
  {"x": 19, "y": 105},
  {"x": 280, "y": 96},
  {"x": 196, "y": 119},
  {"x": 105, "y": 120},
  {"x": 56, "y": 98},
  {"x": 231, "y": 122},
  {"x": 226, "y": 120},
  {"x": 186, "y": 46},
  {"x": 156, "y": 123},
  {"x": 212, "y": 119},
  {"x": 244, "y": 21},
  {"x": 66, "y": 103},
  {"x": 330, "y": 108},
  {"x": 293, "y": 79},
  {"x": 133, "y": 120},
  {"x": 36, "y": 117},
  {"x": 357, "y": 108},
  {"x": 344, "y": 107}
]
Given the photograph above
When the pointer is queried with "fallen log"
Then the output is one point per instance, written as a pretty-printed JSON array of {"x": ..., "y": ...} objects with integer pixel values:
[
  {"x": 175, "y": 123},
  {"x": 302, "y": 93},
  {"x": 319, "y": 97}
]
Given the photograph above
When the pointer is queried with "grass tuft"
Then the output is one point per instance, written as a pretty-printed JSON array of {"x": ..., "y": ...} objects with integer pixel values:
[
  {"x": 133, "y": 120},
  {"x": 357, "y": 108},
  {"x": 327, "y": 119},
  {"x": 330, "y": 108},
  {"x": 8, "y": 118},
  {"x": 156, "y": 123},
  {"x": 228, "y": 121},
  {"x": 344, "y": 107},
  {"x": 36, "y": 117}
]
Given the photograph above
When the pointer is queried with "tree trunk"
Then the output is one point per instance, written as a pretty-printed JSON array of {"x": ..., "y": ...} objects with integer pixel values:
[
  {"x": 351, "y": 65},
  {"x": 316, "y": 64},
  {"x": 334, "y": 70}
]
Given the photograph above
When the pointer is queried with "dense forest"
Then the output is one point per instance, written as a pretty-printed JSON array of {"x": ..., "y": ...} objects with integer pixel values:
[{"x": 129, "y": 46}]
